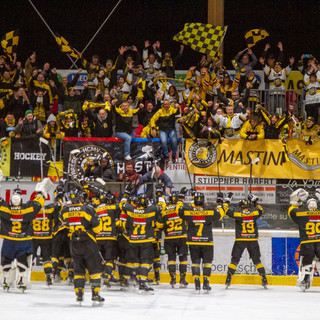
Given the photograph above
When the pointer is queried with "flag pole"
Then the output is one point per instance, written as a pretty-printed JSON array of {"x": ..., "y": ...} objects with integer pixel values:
[
  {"x": 44, "y": 21},
  {"x": 103, "y": 23}
]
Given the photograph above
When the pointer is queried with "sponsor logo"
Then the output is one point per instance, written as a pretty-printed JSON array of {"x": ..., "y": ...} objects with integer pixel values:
[
  {"x": 29, "y": 156},
  {"x": 80, "y": 161},
  {"x": 201, "y": 154}
]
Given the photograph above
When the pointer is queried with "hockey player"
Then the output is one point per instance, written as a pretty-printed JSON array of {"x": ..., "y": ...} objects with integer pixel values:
[
  {"x": 16, "y": 230},
  {"x": 139, "y": 223},
  {"x": 199, "y": 218},
  {"x": 108, "y": 212},
  {"x": 175, "y": 236},
  {"x": 61, "y": 255},
  {"x": 308, "y": 220},
  {"x": 246, "y": 235},
  {"x": 42, "y": 227},
  {"x": 83, "y": 223}
]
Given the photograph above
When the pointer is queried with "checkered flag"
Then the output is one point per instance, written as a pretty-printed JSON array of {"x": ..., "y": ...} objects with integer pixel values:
[
  {"x": 65, "y": 46},
  {"x": 9, "y": 42},
  {"x": 255, "y": 35},
  {"x": 204, "y": 38}
]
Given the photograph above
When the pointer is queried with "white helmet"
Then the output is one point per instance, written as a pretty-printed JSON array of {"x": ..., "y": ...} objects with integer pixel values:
[
  {"x": 16, "y": 199},
  {"x": 312, "y": 204}
]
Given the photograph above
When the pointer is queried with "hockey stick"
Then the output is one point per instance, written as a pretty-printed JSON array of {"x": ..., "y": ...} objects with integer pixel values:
[
  {"x": 46, "y": 142},
  {"x": 254, "y": 161},
  {"x": 154, "y": 165}
]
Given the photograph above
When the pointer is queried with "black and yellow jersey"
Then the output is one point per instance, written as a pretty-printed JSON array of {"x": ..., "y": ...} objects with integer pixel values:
[
  {"x": 165, "y": 118},
  {"x": 42, "y": 224},
  {"x": 308, "y": 222},
  {"x": 124, "y": 119},
  {"x": 82, "y": 222},
  {"x": 199, "y": 223},
  {"x": 245, "y": 222},
  {"x": 16, "y": 220},
  {"x": 173, "y": 226},
  {"x": 109, "y": 215},
  {"x": 139, "y": 223}
]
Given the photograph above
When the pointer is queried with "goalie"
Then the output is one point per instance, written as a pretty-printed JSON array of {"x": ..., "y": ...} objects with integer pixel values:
[
  {"x": 308, "y": 220},
  {"x": 16, "y": 252}
]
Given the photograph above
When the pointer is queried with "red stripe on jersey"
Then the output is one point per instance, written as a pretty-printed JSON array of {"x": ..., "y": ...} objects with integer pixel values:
[
  {"x": 248, "y": 218},
  {"x": 74, "y": 219},
  {"x": 139, "y": 220},
  {"x": 16, "y": 216},
  {"x": 172, "y": 215},
  {"x": 198, "y": 218}
]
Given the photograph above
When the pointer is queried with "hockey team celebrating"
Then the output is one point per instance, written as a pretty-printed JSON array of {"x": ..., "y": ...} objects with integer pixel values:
[{"x": 110, "y": 240}]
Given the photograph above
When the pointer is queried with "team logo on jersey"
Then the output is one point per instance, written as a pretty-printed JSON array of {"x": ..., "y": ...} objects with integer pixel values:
[
  {"x": 312, "y": 91},
  {"x": 277, "y": 82},
  {"x": 79, "y": 162},
  {"x": 202, "y": 154}
]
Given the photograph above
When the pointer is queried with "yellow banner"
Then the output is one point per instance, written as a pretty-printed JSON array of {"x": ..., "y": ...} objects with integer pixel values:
[
  {"x": 5, "y": 156},
  {"x": 236, "y": 156}
]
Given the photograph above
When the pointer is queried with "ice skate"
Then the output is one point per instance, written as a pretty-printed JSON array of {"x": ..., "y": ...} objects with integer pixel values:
[
  {"x": 113, "y": 279},
  {"x": 144, "y": 289},
  {"x": 206, "y": 287},
  {"x": 57, "y": 277},
  {"x": 49, "y": 279},
  {"x": 96, "y": 298},
  {"x": 228, "y": 280},
  {"x": 264, "y": 281},
  {"x": 79, "y": 295},
  {"x": 305, "y": 283},
  {"x": 124, "y": 284},
  {"x": 197, "y": 284},
  {"x": 173, "y": 280},
  {"x": 21, "y": 286},
  {"x": 157, "y": 276},
  {"x": 183, "y": 281},
  {"x": 5, "y": 285}
]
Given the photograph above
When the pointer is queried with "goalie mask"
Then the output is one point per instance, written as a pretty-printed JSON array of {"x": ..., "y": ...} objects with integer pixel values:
[
  {"x": 312, "y": 204},
  {"x": 16, "y": 199}
]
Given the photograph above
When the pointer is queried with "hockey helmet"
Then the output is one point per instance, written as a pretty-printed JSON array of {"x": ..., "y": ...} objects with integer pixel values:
[
  {"x": 312, "y": 204},
  {"x": 16, "y": 198},
  {"x": 74, "y": 196},
  {"x": 198, "y": 199},
  {"x": 142, "y": 200},
  {"x": 243, "y": 204},
  {"x": 173, "y": 198}
]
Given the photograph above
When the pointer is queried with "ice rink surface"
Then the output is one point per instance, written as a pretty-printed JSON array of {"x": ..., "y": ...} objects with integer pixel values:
[{"x": 238, "y": 302}]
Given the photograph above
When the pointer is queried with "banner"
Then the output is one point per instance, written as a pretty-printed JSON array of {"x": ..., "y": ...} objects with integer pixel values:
[
  {"x": 5, "y": 155},
  {"x": 94, "y": 148},
  {"x": 234, "y": 157},
  {"x": 26, "y": 157}
]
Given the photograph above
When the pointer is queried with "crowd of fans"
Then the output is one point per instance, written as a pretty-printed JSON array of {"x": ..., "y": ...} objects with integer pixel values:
[{"x": 143, "y": 101}]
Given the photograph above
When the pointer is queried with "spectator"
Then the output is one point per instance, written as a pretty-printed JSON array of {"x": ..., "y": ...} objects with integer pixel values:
[
  {"x": 231, "y": 122},
  {"x": 146, "y": 114},
  {"x": 165, "y": 118},
  {"x": 38, "y": 82},
  {"x": 72, "y": 101},
  {"x": 124, "y": 127},
  {"x": 87, "y": 127},
  {"x": 51, "y": 130},
  {"x": 237, "y": 102},
  {"x": 91, "y": 166},
  {"x": 312, "y": 88},
  {"x": 29, "y": 126},
  {"x": 8, "y": 126},
  {"x": 105, "y": 171},
  {"x": 93, "y": 69},
  {"x": 310, "y": 131},
  {"x": 30, "y": 67},
  {"x": 129, "y": 174},
  {"x": 277, "y": 77},
  {"x": 209, "y": 131},
  {"x": 245, "y": 63},
  {"x": 68, "y": 122},
  {"x": 18, "y": 103},
  {"x": 152, "y": 60},
  {"x": 272, "y": 123},
  {"x": 168, "y": 64},
  {"x": 270, "y": 57},
  {"x": 252, "y": 129},
  {"x": 156, "y": 175},
  {"x": 291, "y": 130},
  {"x": 40, "y": 105},
  {"x": 228, "y": 86}
]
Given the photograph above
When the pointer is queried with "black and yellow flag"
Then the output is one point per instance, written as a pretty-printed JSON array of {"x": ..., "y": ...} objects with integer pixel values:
[
  {"x": 9, "y": 42},
  {"x": 65, "y": 46},
  {"x": 255, "y": 35},
  {"x": 204, "y": 38}
]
